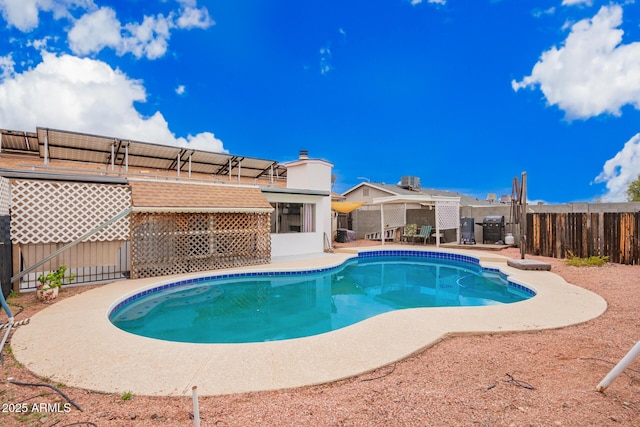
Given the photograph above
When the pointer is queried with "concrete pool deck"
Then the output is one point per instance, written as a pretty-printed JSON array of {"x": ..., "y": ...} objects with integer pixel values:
[{"x": 73, "y": 342}]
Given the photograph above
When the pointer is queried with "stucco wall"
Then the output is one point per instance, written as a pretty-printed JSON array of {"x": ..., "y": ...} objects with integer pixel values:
[
  {"x": 307, "y": 174},
  {"x": 358, "y": 195},
  {"x": 288, "y": 244}
]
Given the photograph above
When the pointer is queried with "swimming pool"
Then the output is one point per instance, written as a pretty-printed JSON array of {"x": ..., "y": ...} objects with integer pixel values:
[
  {"x": 259, "y": 307},
  {"x": 157, "y": 367}
]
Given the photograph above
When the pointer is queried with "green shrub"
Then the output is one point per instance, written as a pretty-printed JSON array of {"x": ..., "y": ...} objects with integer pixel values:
[{"x": 592, "y": 261}]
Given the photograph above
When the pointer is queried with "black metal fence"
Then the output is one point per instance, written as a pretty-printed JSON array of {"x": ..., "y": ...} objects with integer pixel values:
[
  {"x": 5, "y": 255},
  {"x": 89, "y": 262}
]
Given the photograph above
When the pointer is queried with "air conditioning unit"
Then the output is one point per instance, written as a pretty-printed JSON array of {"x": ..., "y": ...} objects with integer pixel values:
[{"x": 410, "y": 182}]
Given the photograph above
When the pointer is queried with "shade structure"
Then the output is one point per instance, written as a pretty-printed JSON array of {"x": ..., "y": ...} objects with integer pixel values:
[
  {"x": 447, "y": 211},
  {"x": 346, "y": 207},
  {"x": 54, "y": 144}
]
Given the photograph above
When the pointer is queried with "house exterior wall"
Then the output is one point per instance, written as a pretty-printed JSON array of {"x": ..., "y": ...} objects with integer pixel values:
[
  {"x": 309, "y": 174},
  {"x": 288, "y": 244},
  {"x": 306, "y": 174},
  {"x": 359, "y": 194}
]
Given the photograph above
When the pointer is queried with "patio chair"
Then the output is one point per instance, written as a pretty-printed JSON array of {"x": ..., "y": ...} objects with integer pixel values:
[
  {"x": 410, "y": 232},
  {"x": 425, "y": 233}
]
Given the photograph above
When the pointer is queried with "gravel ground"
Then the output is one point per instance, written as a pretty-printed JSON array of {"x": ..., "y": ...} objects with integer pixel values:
[{"x": 545, "y": 378}]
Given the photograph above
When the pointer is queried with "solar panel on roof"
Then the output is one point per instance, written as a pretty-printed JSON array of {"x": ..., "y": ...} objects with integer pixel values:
[
  {"x": 203, "y": 168},
  {"x": 76, "y": 146},
  {"x": 61, "y": 153},
  {"x": 149, "y": 162},
  {"x": 206, "y": 157}
]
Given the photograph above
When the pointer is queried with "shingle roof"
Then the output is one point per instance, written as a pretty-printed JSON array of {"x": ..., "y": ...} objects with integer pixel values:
[
  {"x": 158, "y": 195},
  {"x": 465, "y": 200}
]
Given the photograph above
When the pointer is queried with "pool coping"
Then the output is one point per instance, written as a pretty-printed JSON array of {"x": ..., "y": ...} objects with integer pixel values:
[{"x": 73, "y": 341}]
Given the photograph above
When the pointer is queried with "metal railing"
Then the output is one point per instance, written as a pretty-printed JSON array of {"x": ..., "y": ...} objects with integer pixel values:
[{"x": 88, "y": 261}]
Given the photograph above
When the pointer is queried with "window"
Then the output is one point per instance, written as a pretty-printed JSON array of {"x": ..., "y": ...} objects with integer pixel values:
[
  {"x": 293, "y": 218},
  {"x": 365, "y": 192}
]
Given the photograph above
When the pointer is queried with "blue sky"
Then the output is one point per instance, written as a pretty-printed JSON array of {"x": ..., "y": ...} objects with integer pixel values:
[{"x": 464, "y": 94}]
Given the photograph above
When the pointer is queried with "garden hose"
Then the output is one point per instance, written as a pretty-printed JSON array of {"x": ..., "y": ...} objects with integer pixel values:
[{"x": 56, "y": 389}]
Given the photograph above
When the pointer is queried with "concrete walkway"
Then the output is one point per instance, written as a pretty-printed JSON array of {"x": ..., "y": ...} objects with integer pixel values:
[{"x": 73, "y": 341}]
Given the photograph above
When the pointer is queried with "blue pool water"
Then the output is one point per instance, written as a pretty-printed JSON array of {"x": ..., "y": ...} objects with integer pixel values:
[{"x": 259, "y": 307}]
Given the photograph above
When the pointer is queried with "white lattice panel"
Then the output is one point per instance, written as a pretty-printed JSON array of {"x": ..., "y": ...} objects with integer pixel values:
[
  {"x": 394, "y": 215},
  {"x": 51, "y": 212},
  {"x": 5, "y": 196},
  {"x": 448, "y": 214}
]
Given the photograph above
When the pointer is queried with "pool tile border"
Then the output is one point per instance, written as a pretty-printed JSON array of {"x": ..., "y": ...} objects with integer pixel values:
[{"x": 361, "y": 255}]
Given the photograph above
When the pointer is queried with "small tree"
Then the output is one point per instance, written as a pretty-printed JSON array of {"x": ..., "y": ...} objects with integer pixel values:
[{"x": 633, "y": 191}]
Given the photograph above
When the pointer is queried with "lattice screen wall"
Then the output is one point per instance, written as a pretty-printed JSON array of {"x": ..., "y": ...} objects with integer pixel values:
[
  {"x": 448, "y": 214},
  {"x": 394, "y": 215},
  {"x": 173, "y": 243},
  {"x": 5, "y": 196},
  {"x": 53, "y": 212}
]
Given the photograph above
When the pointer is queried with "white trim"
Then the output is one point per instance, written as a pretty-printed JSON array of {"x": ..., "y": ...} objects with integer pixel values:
[
  {"x": 417, "y": 198},
  {"x": 368, "y": 184},
  {"x": 206, "y": 184},
  {"x": 307, "y": 161},
  {"x": 198, "y": 210}
]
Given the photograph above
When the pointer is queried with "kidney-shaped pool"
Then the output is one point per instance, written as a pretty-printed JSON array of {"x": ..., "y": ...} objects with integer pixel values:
[{"x": 258, "y": 307}]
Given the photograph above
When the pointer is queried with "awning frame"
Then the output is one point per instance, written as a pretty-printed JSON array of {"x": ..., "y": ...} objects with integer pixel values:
[{"x": 443, "y": 221}]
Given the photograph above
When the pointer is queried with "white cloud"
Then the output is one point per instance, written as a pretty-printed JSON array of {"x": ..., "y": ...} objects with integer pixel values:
[
  {"x": 39, "y": 44},
  {"x": 180, "y": 90},
  {"x": 25, "y": 14},
  {"x": 85, "y": 95},
  {"x": 619, "y": 171},
  {"x": 95, "y": 31},
  {"x": 415, "y": 2},
  {"x": 192, "y": 17},
  {"x": 149, "y": 39},
  {"x": 576, "y": 2},
  {"x": 325, "y": 60},
  {"x": 538, "y": 13},
  {"x": 592, "y": 73},
  {"x": 6, "y": 67},
  {"x": 99, "y": 28}
]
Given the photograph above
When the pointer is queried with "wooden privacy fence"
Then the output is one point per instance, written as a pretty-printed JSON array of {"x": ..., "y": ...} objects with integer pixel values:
[{"x": 612, "y": 234}]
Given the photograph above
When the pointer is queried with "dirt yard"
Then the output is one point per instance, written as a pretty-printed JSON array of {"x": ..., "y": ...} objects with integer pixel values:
[{"x": 545, "y": 378}]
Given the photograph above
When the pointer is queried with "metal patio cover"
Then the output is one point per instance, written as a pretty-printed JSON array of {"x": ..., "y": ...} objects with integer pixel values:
[
  {"x": 75, "y": 146},
  {"x": 447, "y": 211}
]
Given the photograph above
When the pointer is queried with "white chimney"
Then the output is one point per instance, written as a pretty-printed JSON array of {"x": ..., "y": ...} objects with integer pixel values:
[{"x": 304, "y": 154}]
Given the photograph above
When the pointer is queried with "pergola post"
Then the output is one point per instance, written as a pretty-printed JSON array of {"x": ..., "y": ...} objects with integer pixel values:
[
  {"x": 382, "y": 223},
  {"x": 126, "y": 157},
  {"x": 113, "y": 155},
  {"x": 46, "y": 148},
  {"x": 437, "y": 226}
]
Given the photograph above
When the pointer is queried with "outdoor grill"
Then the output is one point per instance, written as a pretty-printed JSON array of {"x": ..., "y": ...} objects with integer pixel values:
[
  {"x": 467, "y": 231},
  {"x": 493, "y": 229}
]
